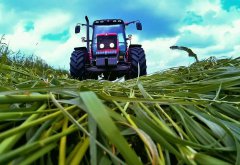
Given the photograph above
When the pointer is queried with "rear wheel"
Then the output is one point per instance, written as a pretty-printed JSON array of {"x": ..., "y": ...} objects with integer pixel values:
[
  {"x": 137, "y": 56},
  {"x": 77, "y": 64}
]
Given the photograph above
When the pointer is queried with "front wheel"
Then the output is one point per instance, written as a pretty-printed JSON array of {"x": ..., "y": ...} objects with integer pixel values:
[
  {"x": 137, "y": 56},
  {"x": 77, "y": 64}
]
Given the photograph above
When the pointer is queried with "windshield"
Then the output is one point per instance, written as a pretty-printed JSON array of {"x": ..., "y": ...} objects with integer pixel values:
[{"x": 99, "y": 29}]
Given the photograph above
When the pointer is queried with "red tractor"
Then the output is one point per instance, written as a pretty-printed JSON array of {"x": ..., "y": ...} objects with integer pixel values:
[{"x": 108, "y": 52}]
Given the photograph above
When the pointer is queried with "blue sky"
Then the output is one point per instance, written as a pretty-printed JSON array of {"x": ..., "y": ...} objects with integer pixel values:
[{"x": 46, "y": 28}]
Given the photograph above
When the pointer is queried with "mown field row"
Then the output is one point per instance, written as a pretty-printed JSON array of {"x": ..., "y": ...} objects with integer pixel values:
[{"x": 184, "y": 115}]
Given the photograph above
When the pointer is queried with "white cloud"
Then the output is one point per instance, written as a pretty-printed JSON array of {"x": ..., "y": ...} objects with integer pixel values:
[
  {"x": 225, "y": 36},
  {"x": 159, "y": 56},
  {"x": 52, "y": 22},
  {"x": 205, "y": 6},
  {"x": 5, "y": 15},
  {"x": 218, "y": 24},
  {"x": 58, "y": 54},
  {"x": 30, "y": 42},
  {"x": 8, "y": 19},
  {"x": 171, "y": 8}
]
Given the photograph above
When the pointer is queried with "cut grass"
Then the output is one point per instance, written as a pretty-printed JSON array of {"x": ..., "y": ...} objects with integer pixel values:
[{"x": 184, "y": 115}]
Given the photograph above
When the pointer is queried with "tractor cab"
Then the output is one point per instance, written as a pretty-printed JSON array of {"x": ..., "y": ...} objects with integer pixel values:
[{"x": 109, "y": 27}]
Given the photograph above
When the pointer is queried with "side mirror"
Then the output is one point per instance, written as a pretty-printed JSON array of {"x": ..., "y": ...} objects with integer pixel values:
[
  {"x": 77, "y": 29},
  {"x": 139, "y": 26}
]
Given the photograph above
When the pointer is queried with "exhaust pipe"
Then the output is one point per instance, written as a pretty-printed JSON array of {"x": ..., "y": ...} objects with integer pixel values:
[{"x": 87, "y": 20}]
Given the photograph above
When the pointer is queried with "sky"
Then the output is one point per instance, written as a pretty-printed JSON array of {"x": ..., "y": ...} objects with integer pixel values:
[{"x": 46, "y": 28}]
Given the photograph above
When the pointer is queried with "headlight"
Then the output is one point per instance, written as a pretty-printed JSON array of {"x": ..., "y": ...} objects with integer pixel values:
[
  {"x": 111, "y": 45},
  {"x": 101, "y": 46}
]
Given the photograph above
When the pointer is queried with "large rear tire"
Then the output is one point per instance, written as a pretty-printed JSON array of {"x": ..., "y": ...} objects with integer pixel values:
[
  {"x": 137, "y": 56},
  {"x": 77, "y": 64}
]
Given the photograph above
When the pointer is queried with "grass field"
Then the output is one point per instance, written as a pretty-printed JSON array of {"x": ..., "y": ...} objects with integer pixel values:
[{"x": 183, "y": 115}]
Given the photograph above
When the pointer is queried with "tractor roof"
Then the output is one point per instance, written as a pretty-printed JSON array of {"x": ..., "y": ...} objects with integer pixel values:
[{"x": 108, "y": 22}]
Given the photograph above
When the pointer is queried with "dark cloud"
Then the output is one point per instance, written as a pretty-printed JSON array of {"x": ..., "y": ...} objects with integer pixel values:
[
  {"x": 4, "y": 30},
  {"x": 228, "y": 4},
  {"x": 61, "y": 36},
  {"x": 156, "y": 23},
  {"x": 37, "y": 6},
  {"x": 156, "y": 26},
  {"x": 29, "y": 26}
]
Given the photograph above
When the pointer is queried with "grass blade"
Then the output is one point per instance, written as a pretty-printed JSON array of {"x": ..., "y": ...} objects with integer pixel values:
[{"x": 99, "y": 113}]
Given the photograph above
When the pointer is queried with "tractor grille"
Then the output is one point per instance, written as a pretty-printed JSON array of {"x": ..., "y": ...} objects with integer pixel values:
[
  {"x": 106, "y": 52},
  {"x": 106, "y": 42}
]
